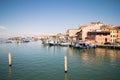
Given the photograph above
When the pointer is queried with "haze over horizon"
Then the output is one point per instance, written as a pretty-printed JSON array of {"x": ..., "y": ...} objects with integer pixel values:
[{"x": 34, "y": 17}]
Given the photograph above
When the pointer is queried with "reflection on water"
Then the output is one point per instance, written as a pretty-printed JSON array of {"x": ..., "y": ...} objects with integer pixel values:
[
  {"x": 34, "y": 61},
  {"x": 101, "y": 62},
  {"x": 95, "y": 54},
  {"x": 65, "y": 76},
  {"x": 9, "y": 73},
  {"x": 110, "y": 55}
]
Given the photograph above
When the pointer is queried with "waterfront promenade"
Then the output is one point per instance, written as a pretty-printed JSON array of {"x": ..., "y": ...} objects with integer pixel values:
[{"x": 109, "y": 46}]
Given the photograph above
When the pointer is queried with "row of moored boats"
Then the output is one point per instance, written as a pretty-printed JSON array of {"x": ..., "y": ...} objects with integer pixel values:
[{"x": 77, "y": 45}]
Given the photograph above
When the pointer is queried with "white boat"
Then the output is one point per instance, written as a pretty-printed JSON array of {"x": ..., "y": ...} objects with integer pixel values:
[
  {"x": 65, "y": 44},
  {"x": 53, "y": 43}
]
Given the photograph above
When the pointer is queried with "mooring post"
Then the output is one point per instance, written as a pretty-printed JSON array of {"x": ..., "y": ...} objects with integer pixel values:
[
  {"x": 65, "y": 64},
  {"x": 10, "y": 59}
]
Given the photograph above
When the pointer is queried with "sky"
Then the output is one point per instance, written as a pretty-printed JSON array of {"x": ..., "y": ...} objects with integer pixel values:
[{"x": 42, "y": 17}]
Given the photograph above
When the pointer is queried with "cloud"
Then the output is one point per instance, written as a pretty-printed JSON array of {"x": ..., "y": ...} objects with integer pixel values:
[{"x": 3, "y": 28}]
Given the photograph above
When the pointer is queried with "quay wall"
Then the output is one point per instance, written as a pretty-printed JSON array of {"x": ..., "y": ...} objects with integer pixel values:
[{"x": 109, "y": 46}]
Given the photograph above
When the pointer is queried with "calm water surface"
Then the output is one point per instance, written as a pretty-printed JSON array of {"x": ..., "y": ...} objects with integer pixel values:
[{"x": 34, "y": 61}]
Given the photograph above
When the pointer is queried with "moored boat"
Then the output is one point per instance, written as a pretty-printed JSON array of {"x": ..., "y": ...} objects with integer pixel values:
[
  {"x": 53, "y": 43},
  {"x": 24, "y": 41},
  {"x": 65, "y": 44},
  {"x": 80, "y": 46}
]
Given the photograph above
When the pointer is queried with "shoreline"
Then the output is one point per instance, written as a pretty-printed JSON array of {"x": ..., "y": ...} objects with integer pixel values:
[{"x": 109, "y": 46}]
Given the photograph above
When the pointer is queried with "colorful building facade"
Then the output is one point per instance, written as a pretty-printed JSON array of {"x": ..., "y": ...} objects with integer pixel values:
[
  {"x": 113, "y": 35},
  {"x": 92, "y": 27},
  {"x": 118, "y": 34},
  {"x": 98, "y": 37},
  {"x": 96, "y": 32}
]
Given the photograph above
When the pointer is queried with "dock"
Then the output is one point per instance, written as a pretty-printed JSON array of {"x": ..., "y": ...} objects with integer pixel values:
[{"x": 109, "y": 46}]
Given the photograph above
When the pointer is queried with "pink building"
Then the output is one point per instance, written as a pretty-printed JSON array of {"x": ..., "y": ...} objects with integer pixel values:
[
  {"x": 98, "y": 37},
  {"x": 88, "y": 28},
  {"x": 102, "y": 39}
]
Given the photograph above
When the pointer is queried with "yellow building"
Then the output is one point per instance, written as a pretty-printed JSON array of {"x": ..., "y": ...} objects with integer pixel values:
[
  {"x": 113, "y": 32},
  {"x": 113, "y": 35},
  {"x": 118, "y": 34}
]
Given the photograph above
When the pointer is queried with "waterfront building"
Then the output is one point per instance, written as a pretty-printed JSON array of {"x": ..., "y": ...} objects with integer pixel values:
[
  {"x": 96, "y": 32},
  {"x": 113, "y": 35},
  {"x": 88, "y": 28},
  {"x": 118, "y": 34},
  {"x": 99, "y": 37},
  {"x": 114, "y": 32},
  {"x": 71, "y": 33},
  {"x": 79, "y": 35}
]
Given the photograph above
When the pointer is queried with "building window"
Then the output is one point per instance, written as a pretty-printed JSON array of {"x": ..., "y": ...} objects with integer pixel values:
[
  {"x": 115, "y": 40},
  {"x": 111, "y": 40},
  {"x": 113, "y": 35}
]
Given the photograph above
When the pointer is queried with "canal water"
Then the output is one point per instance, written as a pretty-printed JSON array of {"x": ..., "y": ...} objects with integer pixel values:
[{"x": 34, "y": 61}]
